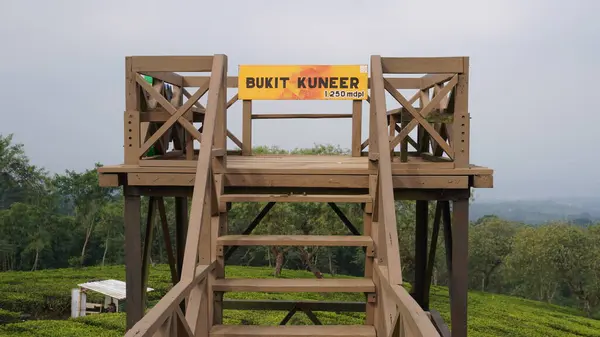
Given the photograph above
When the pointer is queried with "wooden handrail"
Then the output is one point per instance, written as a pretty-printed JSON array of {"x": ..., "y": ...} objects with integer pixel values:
[
  {"x": 166, "y": 313},
  {"x": 410, "y": 318},
  {"x": 158, "y": 315},
  {"x": 416, "y": 322}
]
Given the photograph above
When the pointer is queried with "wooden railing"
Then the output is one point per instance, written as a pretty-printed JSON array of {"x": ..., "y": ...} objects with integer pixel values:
[
  {"x": 396, "y": 311},
  {"x": 199, "y": 265},
  {"x": 441, "y": 118},
  {"x": 155, "y": 115}
]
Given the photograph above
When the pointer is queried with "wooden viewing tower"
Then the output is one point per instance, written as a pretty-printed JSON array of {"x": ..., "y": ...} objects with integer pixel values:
[{"x": 161, "y": 161}]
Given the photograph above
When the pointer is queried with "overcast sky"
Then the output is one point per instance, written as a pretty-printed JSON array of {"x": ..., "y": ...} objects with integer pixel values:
[{"x": 533, "y": 89}]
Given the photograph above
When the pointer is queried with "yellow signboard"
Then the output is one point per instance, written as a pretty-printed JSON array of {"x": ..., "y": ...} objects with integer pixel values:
[{"x": 303, "y": 82}]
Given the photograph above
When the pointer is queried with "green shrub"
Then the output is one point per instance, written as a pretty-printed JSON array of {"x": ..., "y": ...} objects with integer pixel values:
[
  {"x": 8, "y": 316},
  {"x": 490, "y": 315}
]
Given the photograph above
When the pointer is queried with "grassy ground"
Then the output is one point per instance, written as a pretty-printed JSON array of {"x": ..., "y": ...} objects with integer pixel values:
[{"x": 46, "y": 294}]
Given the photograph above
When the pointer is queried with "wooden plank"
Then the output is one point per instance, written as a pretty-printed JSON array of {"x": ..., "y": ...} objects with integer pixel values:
[
  {"x": 402, "y": 82},
  {"x": 356, "y": 127},
  {"x": 166, "y": 76},
  {"x": 160, "y": 115},
  {"x": 431, "y": 80},
  {"x": 246, "y": 128},
  {"x": 108, "y": 180},
  {"x": 283, "y": 305},
  {"x": 296, "y": 240},
  {"x": 196, "y": 81},
  {"x": 483, "y": 181},
  {"x": 331, "y": 180},
  {"x": 430, "y": 182},
  {"x": 299, "y": 116},
  {"x": 358, "y": 198},
  {"x": 424, "y": 169},
  {"x": 292, "y": 331},
  {"x": 422, "y": 65},
  {"x": 327, "y": 285},
  {"x": 172, "y": 63},
  {"x": 460, "y": 129}
]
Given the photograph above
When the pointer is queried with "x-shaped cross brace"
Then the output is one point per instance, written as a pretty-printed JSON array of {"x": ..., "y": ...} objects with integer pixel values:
[
  {"x": 419, "y": 118},
  {"x": 176, "y": 114}
]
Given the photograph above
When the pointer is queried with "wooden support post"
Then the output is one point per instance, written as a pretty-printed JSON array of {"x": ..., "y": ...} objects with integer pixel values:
[
  {"x": 181, "y": 223},
  {"x": 148, "y": 238},
  {"x": 132, "y": 135},
  {"x": 432, "y": 251},
  {"x": 167, "y": 238},
  {"x": 247, "y": 128},
  {"x": 220, "y": 136},
  {"x": 459, "y": 276},
  {"x": 356, "y": 127},
  {"x": 461, "y": 122},
  {"x": 133, "y": 256},
  {"x": 421, "y": 225}
]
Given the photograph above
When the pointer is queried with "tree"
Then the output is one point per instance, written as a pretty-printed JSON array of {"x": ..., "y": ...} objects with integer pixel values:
[
  {"x": 490, "y": 242},
  {"x": 82, "y": 191}
]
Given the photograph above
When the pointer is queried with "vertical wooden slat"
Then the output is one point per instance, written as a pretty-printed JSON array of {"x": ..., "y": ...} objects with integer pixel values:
[
  {"x": 356, "y": 127},
  {"x": 462, "y": 119},
  {"x": 392, "y": 131},
  {"x": 247, "y": 128},
  {"x": 133, "y": 257}
]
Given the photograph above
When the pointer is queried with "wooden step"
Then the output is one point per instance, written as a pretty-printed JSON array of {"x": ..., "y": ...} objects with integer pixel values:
[
  {"x": 295, "y": 285},
  {"x": 293, "y": 330},
  {"x": 353, "y": 198},
  {"x": 296, "y": 240}
]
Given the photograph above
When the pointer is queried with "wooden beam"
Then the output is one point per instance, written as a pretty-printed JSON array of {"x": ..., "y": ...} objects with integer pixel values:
[
  {"x": 422, "y": 65},
  {"x": 295, "y": 285},
  {"x": 300, "y": 116},
  {"x": 296, "y": 240},
  {"x": 172, "y": 63},
  {"x": 295, "y": 198},
  {"x": 403, "y": 83},
  {"x": 431, "y": 80},
  {"x": 284, "y": 305},
  {"x": 293, "y": 330},
  {"x": 165, "y": 76}
]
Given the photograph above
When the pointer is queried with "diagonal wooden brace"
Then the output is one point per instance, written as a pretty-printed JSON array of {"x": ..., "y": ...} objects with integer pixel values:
[
  {"x": 419, "y": 118},
  {"x": 176, "y": 114}
]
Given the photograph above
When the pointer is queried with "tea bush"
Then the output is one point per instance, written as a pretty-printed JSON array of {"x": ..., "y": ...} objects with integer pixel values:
[{"x": 490, "y": 315}]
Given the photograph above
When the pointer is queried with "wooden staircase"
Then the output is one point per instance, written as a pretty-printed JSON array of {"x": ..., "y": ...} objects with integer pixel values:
[{"x": 274, "y": 285}]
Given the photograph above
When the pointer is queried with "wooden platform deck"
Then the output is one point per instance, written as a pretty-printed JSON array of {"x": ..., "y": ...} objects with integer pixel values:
[{"x": 309, "y": 171}]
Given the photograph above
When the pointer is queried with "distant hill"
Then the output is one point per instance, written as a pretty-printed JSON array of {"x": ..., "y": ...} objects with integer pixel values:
[{"x": 578, "y": 210}]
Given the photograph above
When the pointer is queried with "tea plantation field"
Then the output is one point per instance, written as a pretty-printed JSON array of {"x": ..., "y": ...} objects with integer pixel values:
[{"x": 45, "y": 296}]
